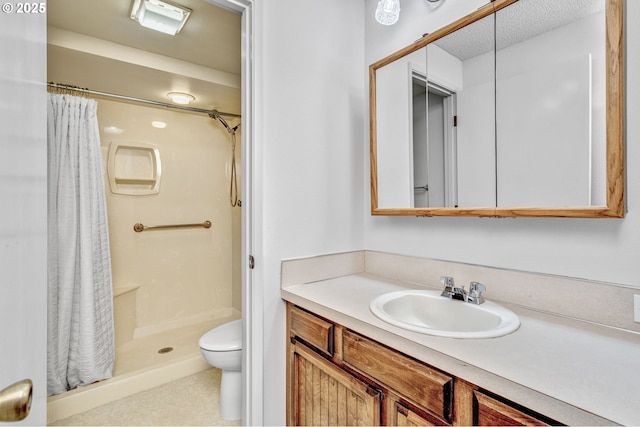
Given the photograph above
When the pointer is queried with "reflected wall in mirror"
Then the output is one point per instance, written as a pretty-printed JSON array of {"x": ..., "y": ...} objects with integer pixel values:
[
  {"x": 514, "y": 110},
  {"x": 550, "y": 77}
]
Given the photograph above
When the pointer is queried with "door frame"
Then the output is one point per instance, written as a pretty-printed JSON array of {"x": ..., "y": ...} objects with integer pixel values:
[{"x": 252, "y": 296}]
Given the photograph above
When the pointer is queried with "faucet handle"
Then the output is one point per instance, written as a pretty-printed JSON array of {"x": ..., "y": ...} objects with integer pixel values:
[
  {"x": 448, "y": 284},
  {"x": 475, "y": 293}
]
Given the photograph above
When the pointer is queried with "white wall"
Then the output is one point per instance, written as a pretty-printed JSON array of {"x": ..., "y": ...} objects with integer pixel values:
[
  {"x": 310, "y": 120},
  {"x": 597, "y": 249}
]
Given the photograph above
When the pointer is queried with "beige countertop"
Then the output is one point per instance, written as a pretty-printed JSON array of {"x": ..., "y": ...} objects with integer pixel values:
[{"x": 576, "y": 372}]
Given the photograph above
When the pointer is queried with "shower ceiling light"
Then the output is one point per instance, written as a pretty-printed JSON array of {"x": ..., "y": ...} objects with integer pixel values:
[
  {"x": 181, "y": 98},
  {"x": 160, "y": 15}
]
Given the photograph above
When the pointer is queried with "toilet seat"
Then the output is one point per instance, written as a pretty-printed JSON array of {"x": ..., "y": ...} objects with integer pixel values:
[{"x": 227, "y": 337}]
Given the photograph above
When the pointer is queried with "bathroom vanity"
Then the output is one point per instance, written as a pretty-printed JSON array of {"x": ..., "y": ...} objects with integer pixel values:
[
  {"x": 346, "y": 366},
  {"x": 340, "y": 377}
]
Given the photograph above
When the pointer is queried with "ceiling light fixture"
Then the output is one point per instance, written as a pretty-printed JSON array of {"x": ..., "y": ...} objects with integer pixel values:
[
  {"x": 180, "y": 98},
  {"x": 160, "y": 15}
]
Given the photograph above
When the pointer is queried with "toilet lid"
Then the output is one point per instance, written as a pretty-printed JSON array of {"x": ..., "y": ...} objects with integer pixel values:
[{"x": 226, "y": 337}]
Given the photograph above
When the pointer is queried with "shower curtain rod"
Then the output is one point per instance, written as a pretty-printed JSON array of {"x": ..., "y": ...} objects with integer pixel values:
[{"x": 143, "y": 101}]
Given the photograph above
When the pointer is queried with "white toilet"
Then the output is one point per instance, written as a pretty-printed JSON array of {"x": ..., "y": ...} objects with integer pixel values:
[{"x": 222, "y": 348}]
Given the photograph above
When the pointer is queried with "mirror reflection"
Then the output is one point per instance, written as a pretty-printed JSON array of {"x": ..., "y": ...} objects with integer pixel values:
[
  {"x": 551, "y": 127},
  {"x": 461, "y": 66},
  {"x": 503, "y": 110},
  {"x": 451, "y": 117},
  {"x": 394, "y": 93}
]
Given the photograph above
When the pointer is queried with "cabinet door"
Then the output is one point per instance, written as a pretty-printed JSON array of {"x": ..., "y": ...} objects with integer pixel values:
[
  {"x": 325, "y": 395},
  {"x": 405, "y": 417},
  {"x": 492, "y": 412}
]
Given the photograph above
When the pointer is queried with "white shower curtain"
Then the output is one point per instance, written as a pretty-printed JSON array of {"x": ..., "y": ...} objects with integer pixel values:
[{"x": 81, "y": 347}]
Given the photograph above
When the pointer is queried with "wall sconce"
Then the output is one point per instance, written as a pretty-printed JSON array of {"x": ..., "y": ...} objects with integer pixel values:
[{"x": 388, "y": 11}]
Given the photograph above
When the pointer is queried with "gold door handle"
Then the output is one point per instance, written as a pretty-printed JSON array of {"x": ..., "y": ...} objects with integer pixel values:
[{"x": 15, "y": 401}]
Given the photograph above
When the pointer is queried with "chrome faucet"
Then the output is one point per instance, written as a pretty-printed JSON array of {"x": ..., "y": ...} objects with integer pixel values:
[{"x": 451, "y": 291}]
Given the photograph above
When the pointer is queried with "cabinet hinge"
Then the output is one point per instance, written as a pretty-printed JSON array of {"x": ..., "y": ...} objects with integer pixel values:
[
  {"x": 455, "y": 121},
  {"x": 252, "y": 262}
]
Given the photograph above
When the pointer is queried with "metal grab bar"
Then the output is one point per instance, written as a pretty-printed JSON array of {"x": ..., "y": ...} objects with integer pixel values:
[{"x": 140, "y": 227}]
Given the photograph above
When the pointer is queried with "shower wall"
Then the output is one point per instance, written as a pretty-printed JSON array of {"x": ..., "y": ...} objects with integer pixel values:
[{"x": 178, "y": 276}]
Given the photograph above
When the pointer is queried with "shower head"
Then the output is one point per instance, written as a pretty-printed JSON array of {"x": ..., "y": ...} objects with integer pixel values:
[
  {"x": 233, "y": 186},
  {"x": 215, "y": 115}
]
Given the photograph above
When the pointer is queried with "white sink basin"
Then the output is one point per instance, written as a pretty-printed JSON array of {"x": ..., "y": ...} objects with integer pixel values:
[{"x": 429, "y": 313}]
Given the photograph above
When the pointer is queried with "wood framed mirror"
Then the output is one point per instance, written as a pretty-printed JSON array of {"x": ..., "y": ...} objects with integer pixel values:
[{"x": 526, "y": 102}]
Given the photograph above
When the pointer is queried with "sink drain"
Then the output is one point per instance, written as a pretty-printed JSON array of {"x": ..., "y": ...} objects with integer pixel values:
[{"x": 165, "y": 350}]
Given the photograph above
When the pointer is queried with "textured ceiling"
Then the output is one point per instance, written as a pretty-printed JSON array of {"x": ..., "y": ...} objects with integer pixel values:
[
  {"x": 91, "y": 43},
  {"x": 516, "y": 23}
]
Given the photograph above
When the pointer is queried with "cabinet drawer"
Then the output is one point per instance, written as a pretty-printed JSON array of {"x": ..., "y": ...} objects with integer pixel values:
[
  {"x": 420, "y": 383},
  {"x": 312, "y": 330},
  {"x": 491, "y": 412}
]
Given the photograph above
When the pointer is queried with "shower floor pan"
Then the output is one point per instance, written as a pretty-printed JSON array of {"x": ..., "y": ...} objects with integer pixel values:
[{"x": 141, "y": 364}]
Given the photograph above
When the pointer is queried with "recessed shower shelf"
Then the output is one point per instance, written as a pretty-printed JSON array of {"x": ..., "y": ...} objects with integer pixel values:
[{"x": 133, "y": 168}]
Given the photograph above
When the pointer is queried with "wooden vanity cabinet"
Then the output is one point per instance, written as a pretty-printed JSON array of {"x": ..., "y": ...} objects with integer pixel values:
[{"x": 336, "y": 376}]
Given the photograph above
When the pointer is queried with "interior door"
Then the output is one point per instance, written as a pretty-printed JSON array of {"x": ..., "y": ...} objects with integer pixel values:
[{"x": 23, "y": 204}]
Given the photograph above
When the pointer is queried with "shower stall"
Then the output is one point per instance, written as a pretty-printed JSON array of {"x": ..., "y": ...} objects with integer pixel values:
[{"x": 175, "y": 242}]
